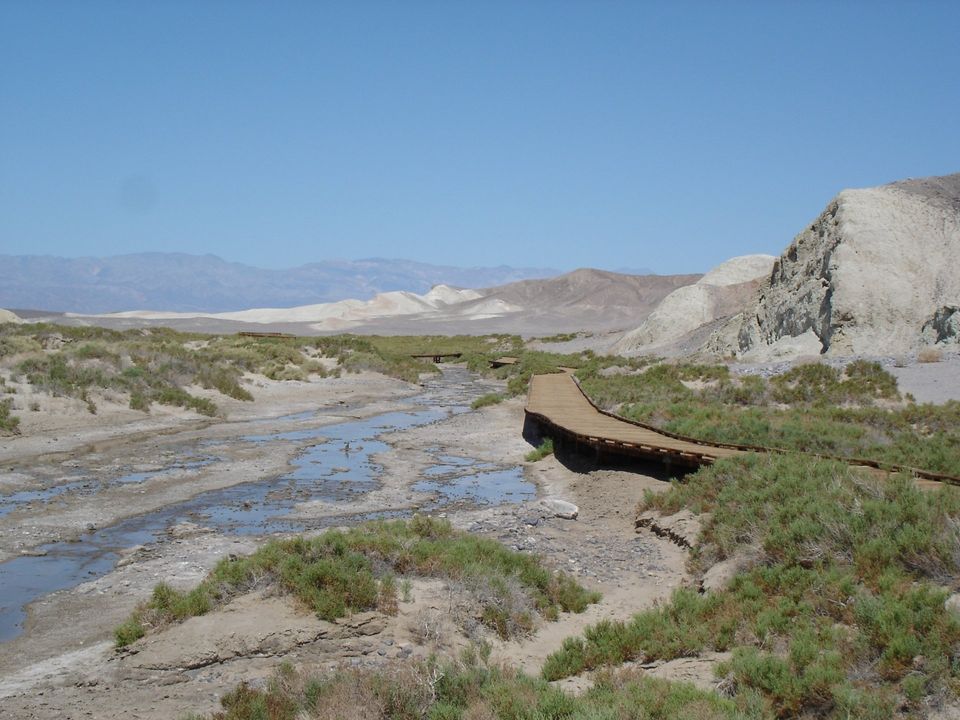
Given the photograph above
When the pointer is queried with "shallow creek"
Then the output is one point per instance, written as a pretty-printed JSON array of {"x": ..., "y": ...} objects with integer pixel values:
[{"x": 332, "y": 463}]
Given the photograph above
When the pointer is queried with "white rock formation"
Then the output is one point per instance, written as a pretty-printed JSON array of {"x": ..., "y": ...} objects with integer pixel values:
[
  {"x": 8, "y": 317},
  {"x": 878, "y": 272},
  {"x": 720, "y": 292}
]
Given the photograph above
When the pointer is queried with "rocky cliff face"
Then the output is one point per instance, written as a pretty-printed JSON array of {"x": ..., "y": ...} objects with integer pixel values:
[{"x": 878, "y": 272}]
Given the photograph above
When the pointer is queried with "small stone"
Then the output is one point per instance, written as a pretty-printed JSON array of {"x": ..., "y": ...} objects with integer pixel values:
[{"x": 561, "y": 508}]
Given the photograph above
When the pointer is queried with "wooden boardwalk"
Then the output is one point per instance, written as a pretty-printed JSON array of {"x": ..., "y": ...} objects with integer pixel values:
[
  {"x": 564, "y": 413},
  {"x": 557, "y": 404}
]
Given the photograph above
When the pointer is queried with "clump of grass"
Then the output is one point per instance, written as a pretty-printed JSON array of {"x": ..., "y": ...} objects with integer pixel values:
[
  {"x": 225, "y": 380},
  {"x": 930, "y": 355},
  {"x": 564, "y": 337},
  {"x": 9, "y": 423},
  {"x": 17, "y": 344},
  {"x": 485, "y": 400},
  {"x": 845, "y": 598},
  {"x": 402, "y": 368},
  {"x": 541, "y": 451},
  {"x": 345, "y": 571},
  {"x": 129, "y": 631},
  {"x": 860, "y": 382}
]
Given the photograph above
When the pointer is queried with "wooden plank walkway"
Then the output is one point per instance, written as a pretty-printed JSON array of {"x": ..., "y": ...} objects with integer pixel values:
[{"x": 560, "y": 407}]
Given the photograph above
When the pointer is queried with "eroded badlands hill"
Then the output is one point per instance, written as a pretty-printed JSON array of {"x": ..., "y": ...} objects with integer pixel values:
[
  {"x": 876, "y": 273},
  {"x": 723, "y": 291}
]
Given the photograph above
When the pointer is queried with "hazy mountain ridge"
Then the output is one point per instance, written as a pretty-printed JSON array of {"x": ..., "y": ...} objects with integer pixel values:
[
  {"x": 582, "y": 299},
  {"x": 180, "y": 282}
]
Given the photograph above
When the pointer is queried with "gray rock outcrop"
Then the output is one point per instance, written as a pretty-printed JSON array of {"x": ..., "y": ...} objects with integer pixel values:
[{"x": 876, "y": 273}]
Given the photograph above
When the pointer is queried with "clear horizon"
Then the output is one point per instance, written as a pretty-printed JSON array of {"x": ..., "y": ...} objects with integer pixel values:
[{"x": 530, "y": 134}]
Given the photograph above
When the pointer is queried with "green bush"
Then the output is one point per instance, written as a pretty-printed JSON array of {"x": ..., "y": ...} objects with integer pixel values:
[
  {"x": 848, "y": 576},
  {"x": 9, "y": 424},
  {"x": 485, "y": 400},
  {"x": 543, "y": 449},
  {"x": 344, "y": 571}
]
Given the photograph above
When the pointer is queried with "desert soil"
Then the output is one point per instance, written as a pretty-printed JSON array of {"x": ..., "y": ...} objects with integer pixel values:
[{"x": 63, "y": 664}]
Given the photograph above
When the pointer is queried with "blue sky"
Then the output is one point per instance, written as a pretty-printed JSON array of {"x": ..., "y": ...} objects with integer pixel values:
[{"x": 666, "y": 135}]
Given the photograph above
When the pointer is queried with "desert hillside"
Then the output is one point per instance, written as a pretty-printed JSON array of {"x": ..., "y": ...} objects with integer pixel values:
[
  {"x": 874, "y": 274},
  {"x": 723, "y": 291}
]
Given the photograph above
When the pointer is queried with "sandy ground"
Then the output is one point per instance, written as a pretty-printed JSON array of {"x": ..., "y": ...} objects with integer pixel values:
[
  {"x": 64, "y": 665},
  {"x": 934, "y": 382}
]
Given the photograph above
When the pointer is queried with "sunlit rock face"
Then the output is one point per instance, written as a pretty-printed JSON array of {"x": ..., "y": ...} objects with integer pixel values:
[{"x": 876, "y": 273}]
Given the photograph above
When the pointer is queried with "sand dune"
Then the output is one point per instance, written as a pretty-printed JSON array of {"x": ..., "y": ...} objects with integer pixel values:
[{"x": 328, "y": 316}]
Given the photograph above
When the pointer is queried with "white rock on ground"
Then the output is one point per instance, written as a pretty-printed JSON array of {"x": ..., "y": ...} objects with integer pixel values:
[{"x": 561, "y": 508}]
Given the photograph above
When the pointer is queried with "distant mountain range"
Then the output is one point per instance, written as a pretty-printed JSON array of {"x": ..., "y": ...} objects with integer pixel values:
[
  {"x": 206, "y": 283},
  {"x": 583, "y": 299}
]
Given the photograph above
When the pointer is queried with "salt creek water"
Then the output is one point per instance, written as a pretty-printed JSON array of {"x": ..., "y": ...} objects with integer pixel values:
[{"x": 333, "y": 464}]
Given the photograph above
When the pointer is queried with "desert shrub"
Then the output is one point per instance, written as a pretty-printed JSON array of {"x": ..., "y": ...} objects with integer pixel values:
[
  {"x": 284, "y": 372},
  {"x": 128, "y": 632},
  {"x": 485, "y": 400},
  {"x": 470, "y": 688},
  {"x": 181, "y": 398},
  {"x": 657, "y": 384},
  {"x": 94, "y": 351},
  {"x": 813, "y": 382},
  {"x": 9, "y": 423},
  {"x": 848, "y": 576},
  {"x": 344, "y": 571},
  {"x": 17, "y": 345},
  {"x": 541, "y": 451},
  {"x": 225, "y": 380},
  {"x": 139, "y": 401},
  {"x": 866, "y": 380},
  {"x": 400, "y": 367}
]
